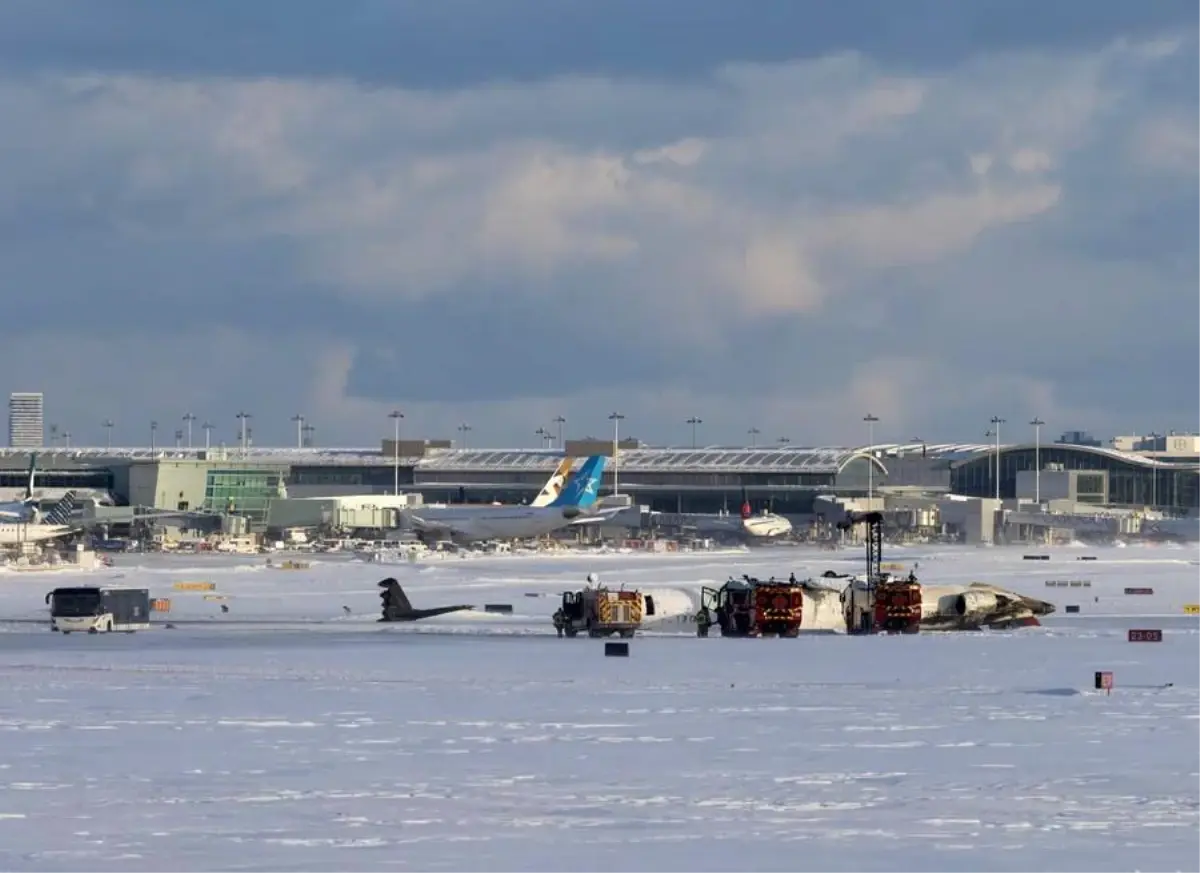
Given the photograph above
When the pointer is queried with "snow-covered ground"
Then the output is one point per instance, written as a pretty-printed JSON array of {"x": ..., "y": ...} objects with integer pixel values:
[{"x": 475, "y": 742}]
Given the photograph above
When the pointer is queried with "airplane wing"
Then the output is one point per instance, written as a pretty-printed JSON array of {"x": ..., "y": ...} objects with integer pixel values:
[{"x": 599, "y": 516}]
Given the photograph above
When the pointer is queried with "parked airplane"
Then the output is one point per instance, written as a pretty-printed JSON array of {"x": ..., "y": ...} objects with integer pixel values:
[
  {"x": 55, "y": 523},
  {"x": 23, "y": 509},
  {"x": 471, "y": 523}
]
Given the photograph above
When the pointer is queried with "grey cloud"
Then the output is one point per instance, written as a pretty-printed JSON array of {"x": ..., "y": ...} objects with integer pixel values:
[
  {"x": 785, "y": 246},
  {"x": 452, "y": 43}
]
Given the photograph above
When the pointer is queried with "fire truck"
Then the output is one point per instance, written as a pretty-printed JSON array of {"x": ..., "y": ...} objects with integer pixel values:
[
  {"x": 881, "y": 602},
  {"x": 750, "y": 607},
  {"x": 600, "y": 611}
]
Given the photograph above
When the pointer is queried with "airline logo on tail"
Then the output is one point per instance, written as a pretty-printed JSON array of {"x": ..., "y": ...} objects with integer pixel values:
[
  {"x": 584, "y": 488},
  {"x": 60, "y": 513},
  {"x": 554, "y": 485}
]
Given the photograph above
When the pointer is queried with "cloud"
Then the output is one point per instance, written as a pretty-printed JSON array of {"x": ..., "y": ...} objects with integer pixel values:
[{"x": 783, "y": 245}]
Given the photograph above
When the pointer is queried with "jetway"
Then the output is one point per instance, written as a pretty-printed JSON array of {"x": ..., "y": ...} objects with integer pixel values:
[{"x": 1099, "y": 524}]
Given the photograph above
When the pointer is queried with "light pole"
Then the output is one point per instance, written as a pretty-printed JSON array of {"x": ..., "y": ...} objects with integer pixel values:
[
  {"x": 208, "y": 428},
  {"x": 1154, "y": 435},
  {"x": 178, "y": 437},
  {"x": 560, "y": 421},
  {"x": 153, "y": 428},
  {"x": 754, "y": 432},
  {"x": 870, "y": 420},
  {"x": 308, "y": 435},
  {"x": 693, "y": 421},
  {"x": 464, "y": 429},
  {"x": 188, "y": 418},
  {"x": 396, "y": 416},
  {"x": 616, "y": 419},
  {"x": 996, "y": 422},
  {"x": 542, "y": 434},
  {"x": 783, "y": 441},
  {"x": 108, "y": 426},
  {"x": 299, "y": 419},
  {"x": 1037, "y": 459},
  {"x": 67, "y": 440},
  {"x": 243, "y": 417}
]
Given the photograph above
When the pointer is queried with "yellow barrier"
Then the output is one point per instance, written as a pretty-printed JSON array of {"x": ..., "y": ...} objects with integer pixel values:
[
  {"x": 892, "y": 568},
  {"x": 216, "y": 598},
  {"x": 160, "y": 604},
  {"x": 1192, "y": 608},
  {"x": 195, "y": 586}
]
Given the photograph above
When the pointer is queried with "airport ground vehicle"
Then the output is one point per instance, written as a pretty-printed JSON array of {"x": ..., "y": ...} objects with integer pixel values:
[
  {"x": 601, "y": 612},
  {"x": 99, "y": 610},
  {"x": 750, "y": 607}
]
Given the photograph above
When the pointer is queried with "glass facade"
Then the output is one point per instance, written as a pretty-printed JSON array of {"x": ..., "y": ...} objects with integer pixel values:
[
  {"x": 1129, "y": 484},
  {"x": 245, "y": 492}
]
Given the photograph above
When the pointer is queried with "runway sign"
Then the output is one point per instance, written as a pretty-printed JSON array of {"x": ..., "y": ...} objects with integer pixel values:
[
  {"x": 215, "y": 598},
  {"x": 1071, "y": 609},
  {"x": 195, "y": 586},
  {"x": 1145, "y": 635},
  {"x": 1139, "y": 590},
  {"x": 1037, "y": 557},
  {"x": 1191, "y": 609},
  {"x": 616, "y": 650},
  {"x": 1104, "y": 681}
]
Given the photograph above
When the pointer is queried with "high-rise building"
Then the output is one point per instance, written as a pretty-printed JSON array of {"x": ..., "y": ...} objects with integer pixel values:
[{"x": 25, "y": 420}]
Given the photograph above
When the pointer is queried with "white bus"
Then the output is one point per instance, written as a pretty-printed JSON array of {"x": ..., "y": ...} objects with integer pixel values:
[{"x": 99, "y": 610}]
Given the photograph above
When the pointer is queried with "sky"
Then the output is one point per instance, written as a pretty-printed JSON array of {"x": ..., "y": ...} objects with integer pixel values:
[{"x": 778, "y": 215}]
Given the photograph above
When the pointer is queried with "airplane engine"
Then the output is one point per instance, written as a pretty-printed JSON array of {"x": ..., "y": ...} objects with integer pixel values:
[
  {"x": 975, "y": 603},
  {"x": 669, "y": 609}
]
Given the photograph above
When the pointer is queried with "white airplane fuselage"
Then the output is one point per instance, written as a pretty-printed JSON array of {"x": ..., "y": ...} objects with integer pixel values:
[
  {"x": 766, "y": 525},
  {"x": 494, "y": 522},
  {"x": 12, "y": 534}
]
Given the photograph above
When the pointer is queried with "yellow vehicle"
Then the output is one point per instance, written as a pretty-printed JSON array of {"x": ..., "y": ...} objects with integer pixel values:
[{"x": 601, "y": 612}]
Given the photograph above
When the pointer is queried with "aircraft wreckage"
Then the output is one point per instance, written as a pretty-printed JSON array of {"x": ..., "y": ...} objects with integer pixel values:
[{"x": 877, "y": 602}]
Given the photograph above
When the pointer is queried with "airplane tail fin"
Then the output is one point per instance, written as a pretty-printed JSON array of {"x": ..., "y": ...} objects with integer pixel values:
[
  {"x": 554, "y": 485},
  {"x": 393, "y": 597},
  {"x": 584, "y": 487},
  {"x": 32, "y": 476},
  {"x": 60, "y": 513}
]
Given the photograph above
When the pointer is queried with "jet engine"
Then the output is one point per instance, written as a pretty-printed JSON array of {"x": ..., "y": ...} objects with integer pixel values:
[{"x": 976, "y": 603}]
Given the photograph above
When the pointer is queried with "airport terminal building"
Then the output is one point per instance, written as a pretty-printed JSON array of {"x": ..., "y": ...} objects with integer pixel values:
[{"x": 783, "y": 479}]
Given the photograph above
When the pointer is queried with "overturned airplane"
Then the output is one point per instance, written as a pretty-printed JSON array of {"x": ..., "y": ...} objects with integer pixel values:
[
  {"x": 396, "y": 605},
  {"x": 883, "y": 603}
]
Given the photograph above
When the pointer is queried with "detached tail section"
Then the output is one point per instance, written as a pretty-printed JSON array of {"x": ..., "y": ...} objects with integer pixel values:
[
  {"x": 584, "y": 487},
  {"x": 397, "y": 607}
]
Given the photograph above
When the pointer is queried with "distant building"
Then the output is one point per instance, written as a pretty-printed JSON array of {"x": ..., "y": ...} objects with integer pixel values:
[
  {"x": 1078, "y": 438},
  {"x": 25, "y": 420}
]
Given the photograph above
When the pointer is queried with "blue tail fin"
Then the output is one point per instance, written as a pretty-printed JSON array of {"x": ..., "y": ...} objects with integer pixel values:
[
  {"x": 584, "y": 485},
  {"x": 60, "y": 513}
]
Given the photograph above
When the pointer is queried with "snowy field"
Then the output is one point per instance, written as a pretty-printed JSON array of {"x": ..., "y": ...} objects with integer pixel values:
[{"x": 293, "y": 732}]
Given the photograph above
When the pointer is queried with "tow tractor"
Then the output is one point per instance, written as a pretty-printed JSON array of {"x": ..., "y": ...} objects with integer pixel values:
[
  {"x": 600, "y": 611},
  {"x": 880, "y": 602},
  {"x": 750, "y": 607}
]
